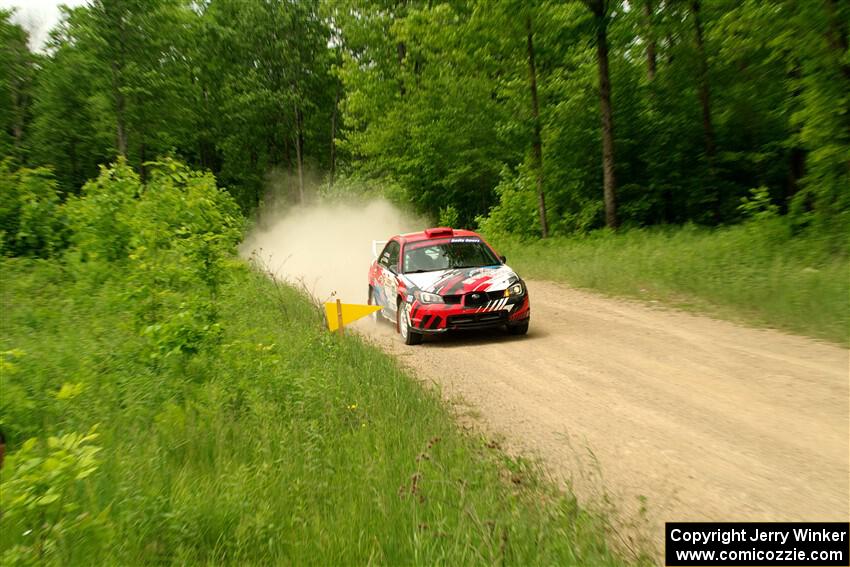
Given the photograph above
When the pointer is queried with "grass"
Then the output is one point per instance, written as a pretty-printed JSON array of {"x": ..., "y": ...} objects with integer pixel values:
[
  {"x": 282, "y": 444},
  {"x": 755, "y": 273}
]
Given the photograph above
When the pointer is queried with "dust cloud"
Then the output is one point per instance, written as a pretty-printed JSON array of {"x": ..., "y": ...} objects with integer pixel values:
[{"x": 326, "y": 246}]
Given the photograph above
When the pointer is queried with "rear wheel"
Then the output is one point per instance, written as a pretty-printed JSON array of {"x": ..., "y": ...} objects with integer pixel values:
[
  {"x": 408, "y": 335},
  {"x": 519, "y": 329}
]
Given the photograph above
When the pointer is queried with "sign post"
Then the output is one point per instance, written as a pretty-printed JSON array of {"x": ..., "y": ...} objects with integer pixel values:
[
  {"x": 339, "y": 314},
  {"x": 339, "y": 317}
]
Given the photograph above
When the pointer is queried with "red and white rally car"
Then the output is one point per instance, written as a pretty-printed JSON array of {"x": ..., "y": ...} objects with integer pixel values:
[{"x": 443, "y": 279}]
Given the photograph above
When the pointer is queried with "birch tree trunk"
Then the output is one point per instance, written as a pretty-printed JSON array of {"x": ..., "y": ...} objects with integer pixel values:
[
  {"x": 609, "y": 179},
  {"x": 704, "y": 89},
  {"x": 649, "y": 37},
  {"x": 299, "y": 151},
  {"x": 536, "y": 142}
]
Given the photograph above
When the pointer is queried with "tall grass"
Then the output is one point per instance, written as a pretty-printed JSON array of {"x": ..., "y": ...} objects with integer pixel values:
[
  {"x": 280, "y": 445},
  {"x": 757, "y": 272}
]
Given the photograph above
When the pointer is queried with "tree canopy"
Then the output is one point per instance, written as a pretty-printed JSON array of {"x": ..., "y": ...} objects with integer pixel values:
[{"x": 521, "y": 116}]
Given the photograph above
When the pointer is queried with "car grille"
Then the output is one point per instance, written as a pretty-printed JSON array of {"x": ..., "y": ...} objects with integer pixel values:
[{"x": 477, "y": 320}]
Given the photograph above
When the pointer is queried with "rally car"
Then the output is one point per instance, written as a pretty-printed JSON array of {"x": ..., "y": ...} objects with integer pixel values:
[{"x": 443, "y": 279}]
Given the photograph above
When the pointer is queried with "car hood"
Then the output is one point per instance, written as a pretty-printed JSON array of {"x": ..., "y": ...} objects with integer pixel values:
[{"x": 458, "y": 281}]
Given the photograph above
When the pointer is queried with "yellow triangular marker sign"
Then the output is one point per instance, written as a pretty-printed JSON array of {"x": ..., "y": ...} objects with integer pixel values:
[{"x": 350, "y": 312}]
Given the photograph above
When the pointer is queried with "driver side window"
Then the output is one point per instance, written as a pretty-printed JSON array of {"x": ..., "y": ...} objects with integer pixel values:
[{"x": 389, "y": 257}]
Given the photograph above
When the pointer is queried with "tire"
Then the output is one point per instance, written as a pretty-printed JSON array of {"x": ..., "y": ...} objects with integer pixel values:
[
  {"x": 519, "y": 329},
  {"x": 408, "y": 335},
  {"x": 376, "y": 316}
]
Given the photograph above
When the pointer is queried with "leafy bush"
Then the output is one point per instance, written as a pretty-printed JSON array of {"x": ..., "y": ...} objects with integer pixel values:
[
  {"x": 183, "y": 212},
  {"x": 758, "y": 205},
  {"x": 38, "y": 499},
  {"x": 169, "y": 239},
  {"x": 184, "y": 332},
  {"x": 449, "y": 217},
  {"x": 516, "y": 213},
  {"x": 31, "y": 219},
  {"x": 174, "y": 234},
  {"x": 101, "y": 217}
]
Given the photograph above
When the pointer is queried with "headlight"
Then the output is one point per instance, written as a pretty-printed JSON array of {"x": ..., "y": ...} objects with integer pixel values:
[
  {"x": 514, "y": 290},
  {"x": 425, "y": 297}
]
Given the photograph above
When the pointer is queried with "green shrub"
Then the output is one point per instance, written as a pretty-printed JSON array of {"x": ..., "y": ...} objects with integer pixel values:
[
  {"x": 31, "y": 219},
  {"x": 183, "y": 212},
  {"x": 101, "y": 217},
  {"x": 38, "y": 497},
  {"x": 516, "y": 213},
  {"x": 758, "y": 206},
  {"x": 449, "y": 216}
]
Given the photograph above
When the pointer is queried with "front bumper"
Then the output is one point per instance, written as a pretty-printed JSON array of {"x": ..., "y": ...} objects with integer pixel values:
[{"x": 441, "y": 317}]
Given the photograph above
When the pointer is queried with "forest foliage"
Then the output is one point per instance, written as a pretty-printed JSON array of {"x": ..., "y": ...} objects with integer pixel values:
[{"x": 573, "y": 114}]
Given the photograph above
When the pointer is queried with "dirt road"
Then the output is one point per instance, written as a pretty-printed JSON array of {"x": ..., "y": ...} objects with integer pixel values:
[
  {"x": 689, "y": 417},
  {"x": 704, "y": 419}
]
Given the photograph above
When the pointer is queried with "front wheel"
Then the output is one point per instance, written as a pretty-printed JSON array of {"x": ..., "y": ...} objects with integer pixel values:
[
  {"x": 408, "y": 335},
  {"x": 519, "y": 329},
  {"x": 372, "y": 300}
]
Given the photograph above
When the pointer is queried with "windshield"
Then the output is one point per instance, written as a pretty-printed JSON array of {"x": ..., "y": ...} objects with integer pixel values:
[{"x": 430, "y": 256}]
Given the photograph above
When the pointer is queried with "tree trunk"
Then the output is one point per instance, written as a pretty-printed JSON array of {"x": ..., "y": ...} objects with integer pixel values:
[
  {"x": 143, "y": 170},
  {"x": 18, "y": 131},
  {"x": 671, "y": 42},
  {"x": 796, "y": 171},
  {"x": 536, "y": 142},
  {"x": 287, "y": 154},
  {"x": 402, "y": 53},
  {"x": 333, "y": 137},
  {"x": 651, "y": 57},
  {"x": 704, "y": 92},
  {"x": 19, "y": 111},
  {"x": 19, "y": 67},
  {"x": 401, "y": 49},
  {"x": 796, "y": 155},
  {"x": 117, "y": 64},
  {"x": 837, "y": 35},
  {"x": 258, "y": 188},
  {"x": 72, "y": 155},
  {"x": 120, "y": 110},
  {"x": 838, "y": 42},
  {"x": 299, "y": 151},
  {"x": 607, "y": 116}
]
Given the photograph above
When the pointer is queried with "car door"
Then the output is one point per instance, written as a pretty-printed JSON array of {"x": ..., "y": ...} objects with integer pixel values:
[{"x": 387, "y": 282}]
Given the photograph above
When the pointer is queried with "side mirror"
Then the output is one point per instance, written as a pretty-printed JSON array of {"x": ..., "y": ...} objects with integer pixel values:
[{"x": 503, "y": 259}]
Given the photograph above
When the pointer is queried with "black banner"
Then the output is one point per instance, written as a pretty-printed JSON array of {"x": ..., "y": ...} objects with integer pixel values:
[{"x": 757, "y": 543}]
